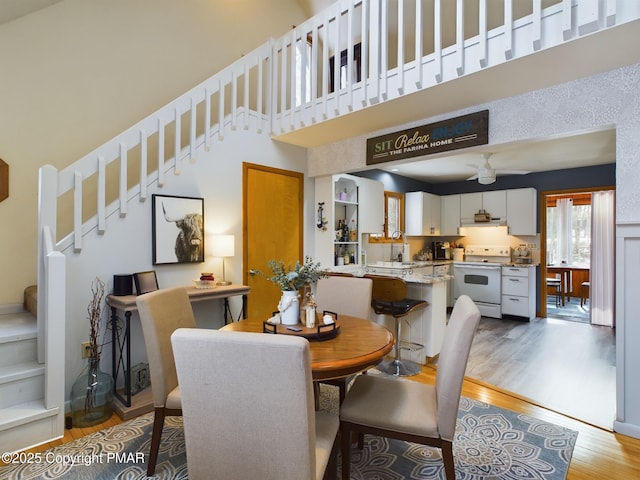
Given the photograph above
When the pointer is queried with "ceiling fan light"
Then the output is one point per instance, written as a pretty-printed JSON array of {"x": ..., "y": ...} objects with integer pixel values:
[{"x": 486, "y": 176}]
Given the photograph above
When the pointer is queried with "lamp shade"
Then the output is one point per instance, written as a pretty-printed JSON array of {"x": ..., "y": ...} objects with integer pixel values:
[{"x": 223, "y": 246}]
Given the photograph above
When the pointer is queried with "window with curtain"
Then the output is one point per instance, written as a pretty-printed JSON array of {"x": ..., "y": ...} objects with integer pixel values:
[{"x": 569, "y": 230}]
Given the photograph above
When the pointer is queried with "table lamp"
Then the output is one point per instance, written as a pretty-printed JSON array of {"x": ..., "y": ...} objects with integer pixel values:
[{"x": 223, "y": 246}]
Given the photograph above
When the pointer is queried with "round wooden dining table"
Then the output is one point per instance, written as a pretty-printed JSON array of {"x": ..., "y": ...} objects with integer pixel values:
[{"x": 360, "y": 344}]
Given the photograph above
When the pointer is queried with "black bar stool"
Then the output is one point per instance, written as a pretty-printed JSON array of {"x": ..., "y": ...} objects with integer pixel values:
[{"x": 389, "y": 297}]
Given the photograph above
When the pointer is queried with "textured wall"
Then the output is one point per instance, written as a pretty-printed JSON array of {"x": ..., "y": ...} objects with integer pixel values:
[{"x": 602, "y": 101}]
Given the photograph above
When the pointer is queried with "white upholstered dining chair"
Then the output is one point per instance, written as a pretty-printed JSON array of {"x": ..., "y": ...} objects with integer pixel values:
[
  {"x": 407, "y": 410},
  {"x": 346, "y": 295},
  {"x": 162, "y": 312},
  {"x": 248, "y": 407}
]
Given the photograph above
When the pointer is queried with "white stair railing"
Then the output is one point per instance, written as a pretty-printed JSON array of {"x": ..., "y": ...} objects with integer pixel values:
[{"x": 190, "y": 120}]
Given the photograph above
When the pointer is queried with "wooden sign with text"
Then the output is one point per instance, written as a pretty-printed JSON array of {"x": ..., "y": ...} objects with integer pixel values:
[{"x": 460, "y": 132}]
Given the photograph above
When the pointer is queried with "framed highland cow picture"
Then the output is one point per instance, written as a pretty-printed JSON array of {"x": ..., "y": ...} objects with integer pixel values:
[{"x": 178, "y": 229}]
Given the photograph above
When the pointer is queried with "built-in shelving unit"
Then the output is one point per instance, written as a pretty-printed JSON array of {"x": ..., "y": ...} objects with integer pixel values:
[
  {"x": 345, "y": 207},
  {"x": 346, "y": 199}
]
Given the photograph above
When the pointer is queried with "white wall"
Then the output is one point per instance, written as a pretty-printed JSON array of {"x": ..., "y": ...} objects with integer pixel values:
[
  {"x": 592, "y": 103},
  {"x": 125, "y": 247},
  {"x": 76, "y": 74}
]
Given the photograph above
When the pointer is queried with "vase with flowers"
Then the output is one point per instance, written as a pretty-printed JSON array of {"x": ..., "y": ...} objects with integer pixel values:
[
  {"x": 290, "y": 280},
  {"x": 92, "y": 392}
]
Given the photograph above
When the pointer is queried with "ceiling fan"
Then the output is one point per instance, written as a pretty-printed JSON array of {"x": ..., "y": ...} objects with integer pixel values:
[{"x": 487, "y": 174}]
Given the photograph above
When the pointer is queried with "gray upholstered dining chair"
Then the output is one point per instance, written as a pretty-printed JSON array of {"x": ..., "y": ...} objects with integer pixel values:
[
  {"x": 162, "y": 312},
  {"x": 248, "y": 410},
  {"x": 407, "y": 410},
  {"x": 347, "y": 295}
]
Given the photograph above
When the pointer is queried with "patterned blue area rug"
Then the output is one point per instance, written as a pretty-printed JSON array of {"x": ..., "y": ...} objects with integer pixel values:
[{"x": 490, "y": 443}]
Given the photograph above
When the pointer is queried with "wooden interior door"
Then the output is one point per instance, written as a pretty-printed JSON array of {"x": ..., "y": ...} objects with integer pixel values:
[{"x": 272, "y": 230}]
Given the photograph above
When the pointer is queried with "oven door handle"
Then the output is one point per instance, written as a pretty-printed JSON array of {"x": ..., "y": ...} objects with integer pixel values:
[{"x": 477, "y": 267}]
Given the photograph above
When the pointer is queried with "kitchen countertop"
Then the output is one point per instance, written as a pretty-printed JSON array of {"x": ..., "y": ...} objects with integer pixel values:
[
  {"x": 408, "y": 265},
  {"x": 522, "y": 265},
  {"x": 410, "y": 278}
]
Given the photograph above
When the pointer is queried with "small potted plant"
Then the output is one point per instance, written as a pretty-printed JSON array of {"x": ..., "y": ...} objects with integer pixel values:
[{"x": 290, "y": 280}]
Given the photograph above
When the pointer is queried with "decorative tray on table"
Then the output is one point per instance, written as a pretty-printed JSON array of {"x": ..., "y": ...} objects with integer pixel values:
[{"x": 320, "y": 332}]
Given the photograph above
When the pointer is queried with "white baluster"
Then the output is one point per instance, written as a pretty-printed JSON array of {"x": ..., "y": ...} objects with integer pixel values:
[
  {"x": 460, "y": 37},
  {"x": 419, "y": 44},
  {"x": 401, "y": 47},
  {"x": 177, "y": 144},
  {"x": 77, "y": 211},
  {"x": 207, "y": 119},
  {"x": 192, "y": 132},
  {"x": 160, "y": 152},
  {"x": 143, "y": 165},
  {"x": 508, "y": 29},
  {"x": 482, "y": 32},
  {"x": 102, "y": 181},
  {"x": 220, "y": 109},
  {"x": 123, "y": 179}
]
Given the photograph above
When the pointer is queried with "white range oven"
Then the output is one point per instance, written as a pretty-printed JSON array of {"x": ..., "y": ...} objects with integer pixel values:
[{"x": 480, "y": 277}]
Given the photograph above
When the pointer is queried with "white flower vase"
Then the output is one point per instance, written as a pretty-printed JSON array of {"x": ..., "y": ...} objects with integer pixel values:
[{"x": 289, "y": 307}]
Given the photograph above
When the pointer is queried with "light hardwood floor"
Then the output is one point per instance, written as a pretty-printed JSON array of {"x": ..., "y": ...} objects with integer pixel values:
[
  {"x": 563, "y": 365},
  {"x": 599, "y": 454}
]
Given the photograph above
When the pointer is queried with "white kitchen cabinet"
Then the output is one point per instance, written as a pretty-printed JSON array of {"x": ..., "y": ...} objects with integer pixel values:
[
  {"x": 449, "y": 215},
  {"x": 519, "y": 291},
  {"x": 356, "y": 201},
  {"x": 521, "y": 211},
  {"x": 422, "y": 214},
  {"x": 493, "y": 202},
  {"x": 470, "y": 203}
]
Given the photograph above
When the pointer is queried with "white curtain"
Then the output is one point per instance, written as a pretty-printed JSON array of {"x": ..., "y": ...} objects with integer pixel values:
[
  {"x": 564, "y": 227},
  {"x": 602, "y": 275}
]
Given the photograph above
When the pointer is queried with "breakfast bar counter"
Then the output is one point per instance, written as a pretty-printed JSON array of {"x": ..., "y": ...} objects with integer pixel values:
[{"x": 424, "y": 326}]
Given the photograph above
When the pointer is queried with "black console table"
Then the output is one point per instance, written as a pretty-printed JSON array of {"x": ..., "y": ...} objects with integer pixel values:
[{"x": 121, "y": 341}]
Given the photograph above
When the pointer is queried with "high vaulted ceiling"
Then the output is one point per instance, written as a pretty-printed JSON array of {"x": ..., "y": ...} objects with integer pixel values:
[{"x": 12, "y": 9}]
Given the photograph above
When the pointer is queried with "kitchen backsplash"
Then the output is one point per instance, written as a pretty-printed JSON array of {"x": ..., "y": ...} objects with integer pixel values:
[{"x": 474, "y": 236}]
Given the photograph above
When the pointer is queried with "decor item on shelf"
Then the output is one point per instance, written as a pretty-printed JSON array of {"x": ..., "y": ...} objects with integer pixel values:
[
  {"x": 289, "y": 307},
  {"x": 92, "y": 392},
  {"x": 223, "y": 246},
  {"x": 310, "y": 309},
  {"x": 123, "y": 284},
  {"x": 290, "y": 280},
  {"x": 321, "y": 220},
  {"x": 206, "y": 280}
]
